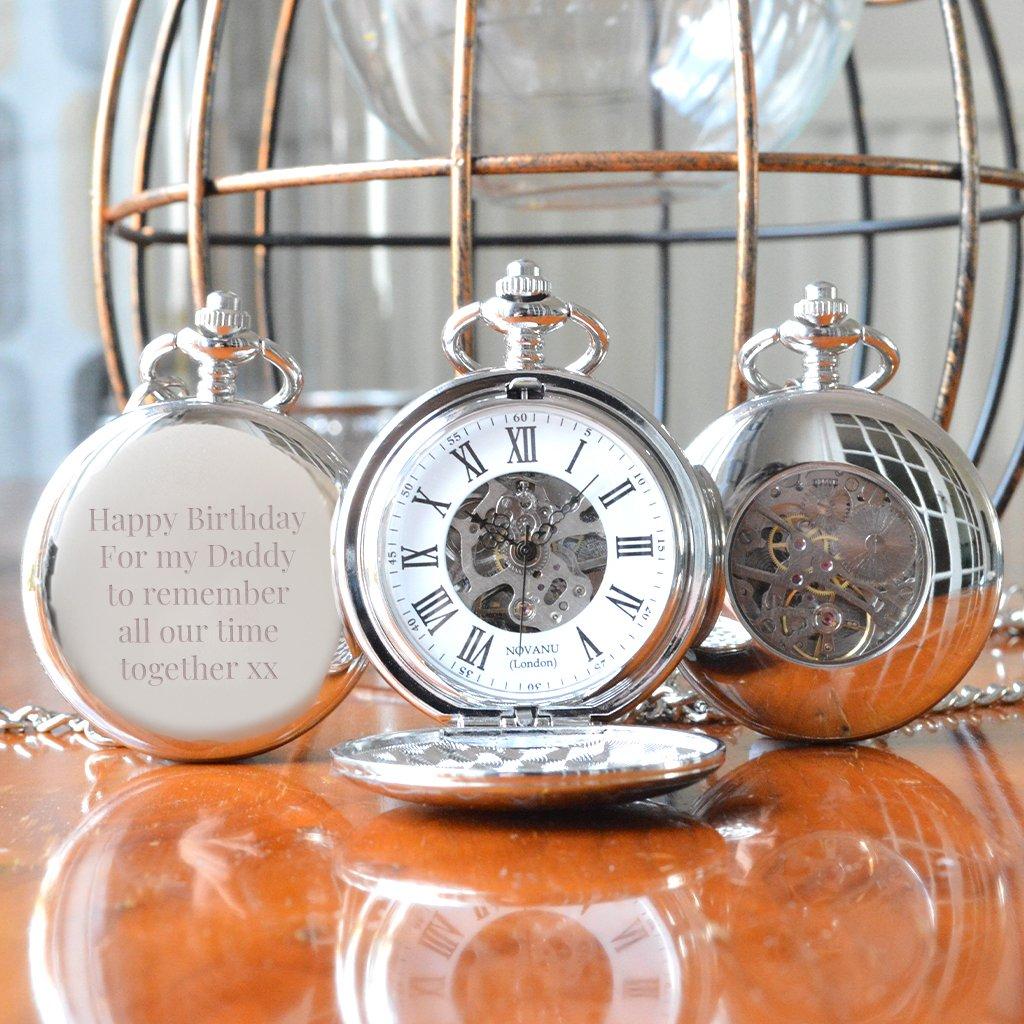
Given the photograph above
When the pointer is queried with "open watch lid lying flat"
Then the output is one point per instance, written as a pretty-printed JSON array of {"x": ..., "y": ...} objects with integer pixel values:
[
  {"x": 529, "y": 765},
  {"x": 525, "y": 555}
]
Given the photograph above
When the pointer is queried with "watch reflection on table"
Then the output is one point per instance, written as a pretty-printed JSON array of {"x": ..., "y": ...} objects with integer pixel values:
[
  {"x": 192, "y": 893},
  {"x": 502, "y": 920},
  {"x": 807, "y": 885},
  {"x": 857, "y": 888}
]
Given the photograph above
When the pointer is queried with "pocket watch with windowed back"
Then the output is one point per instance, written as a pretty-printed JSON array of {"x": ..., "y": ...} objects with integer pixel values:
[
  {"x": 177, "y": 578},
  {"x": 526, "y": 554},
  {"x": 862, "y": 556}
]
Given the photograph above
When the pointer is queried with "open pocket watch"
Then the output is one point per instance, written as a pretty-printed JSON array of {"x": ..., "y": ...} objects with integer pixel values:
[
  {"x": 177, "y": 580},
  {"x": 525, "y": 554},
  {"x": 862, "y": 559}
]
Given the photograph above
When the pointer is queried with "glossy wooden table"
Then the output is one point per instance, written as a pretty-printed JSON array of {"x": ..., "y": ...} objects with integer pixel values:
[{"x": 872, "y": 883}]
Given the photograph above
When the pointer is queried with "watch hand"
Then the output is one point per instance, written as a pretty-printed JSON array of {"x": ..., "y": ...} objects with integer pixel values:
[
  {"x": 492, "y": 528},
  {"x": 548, "y": 528},
  {"x": 578, "y": 494},
  {"x": 522, "y": 598}
]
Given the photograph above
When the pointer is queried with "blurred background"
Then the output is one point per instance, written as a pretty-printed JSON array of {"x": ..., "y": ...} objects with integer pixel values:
[{"x": 371, "y": 80}]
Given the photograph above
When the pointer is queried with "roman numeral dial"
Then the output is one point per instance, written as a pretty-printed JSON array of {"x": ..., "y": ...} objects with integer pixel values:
[
  {"x": 591, "y": 649},
  {"x": 575, "y": 455},
  {"x": 466, "y": 454},
  {"x": 434, "y": 609},
  {"x": 440, "y": 507},
  {"x": 626, "y": 602},
  {"x": 524, "y": 444},
  {"x": 526, "y": 554},
  {"x": 476, "y": 648},
  {"x": 617, "y": 493},
  {"x": 414, "y": 559},
  {"x": 634, "y": 547}
]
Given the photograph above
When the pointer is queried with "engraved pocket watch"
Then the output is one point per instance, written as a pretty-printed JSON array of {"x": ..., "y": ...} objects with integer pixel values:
[
  {"x": 177, "y": 575},
  {"x": 526, "y": 554},
  {"x": 862, "y": 557}
]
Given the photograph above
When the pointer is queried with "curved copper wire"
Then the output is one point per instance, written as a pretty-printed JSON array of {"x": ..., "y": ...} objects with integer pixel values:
[
  {"x": 867, "y": 212},
  {"x": 747, "y": 190},
  {"x": 967, "y": 253},
  {"x": 148, "y": 112},
  {"x": 265, "y": 157},
  {"x": 611, "y": 162},
  {"x": 461, "y": 171},
  {"x": 103, "y": 139},
  {"x": 197, "y": 165},
  {"x": 1010, "y": 213}
]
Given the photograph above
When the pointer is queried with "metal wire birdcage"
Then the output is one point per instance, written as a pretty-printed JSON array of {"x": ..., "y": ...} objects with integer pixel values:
[{"x": 128, "y": 218}]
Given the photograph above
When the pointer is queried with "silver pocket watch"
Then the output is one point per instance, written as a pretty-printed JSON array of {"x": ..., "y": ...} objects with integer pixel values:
[
  {"x": 177, "y": 580},
  {"x": 526, "y": 554},
  {"x": 862, "y": 558}
]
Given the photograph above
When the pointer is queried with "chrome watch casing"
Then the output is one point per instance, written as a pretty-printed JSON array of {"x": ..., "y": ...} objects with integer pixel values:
[
  {"x": 373, "y": 486},
  {"x": 818, "y": 431},
  {"x": 501, "y": 775},
  {"x": 239, "y": 431}
]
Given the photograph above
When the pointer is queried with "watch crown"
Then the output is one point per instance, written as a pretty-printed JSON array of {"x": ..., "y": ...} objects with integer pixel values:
[
  {"x": 821, "y": 304},
  {"x": 522, "y": 281},
  {"x": 222, "y": 314}
]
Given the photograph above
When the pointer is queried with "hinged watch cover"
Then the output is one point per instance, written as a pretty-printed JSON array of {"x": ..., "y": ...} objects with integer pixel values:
[
  {"x": 177, "y": 580},
  {"x": 536, "y": 766},
  {"x": 525, "y": 555}
]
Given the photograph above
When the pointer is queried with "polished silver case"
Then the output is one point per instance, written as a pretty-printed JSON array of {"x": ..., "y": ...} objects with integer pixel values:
[
  {"x": 375, "y": 483},
  {"x": 819, "y": 422},
  {"x": 283, "y": 438},
  {"x": 500, "y": 754},
  {"x": 512, "y": 766}
]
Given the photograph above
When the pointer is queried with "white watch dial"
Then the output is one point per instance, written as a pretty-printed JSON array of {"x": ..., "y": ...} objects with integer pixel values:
[{"x": 527, "y": 551}]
